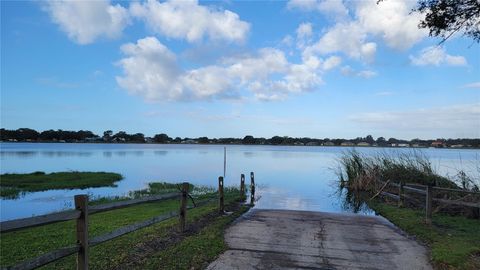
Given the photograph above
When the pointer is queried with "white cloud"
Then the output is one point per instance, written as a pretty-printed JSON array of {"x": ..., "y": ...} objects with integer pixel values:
[
  {"x": 392, "y": 20},
  {"x": 304, "y": 30},
  {"x": 357, "y": 36},
  {"x": 191, "y": 21},
  {"x": 460, "y": 120},
  {"x": 349, "y": 71},
  {"x": 348, "y": 38},
  {"x": 367, "y": 74},
  {"x": 334, "y": 8},
  {"x": 304, "y": 34},
  {"x": 436, "y": 56},
  {"x": 472, "y": 85},
  {"x": 152, "y": 71},
  {"x": 332, "y": 62},
  {"x": 85, "y": 21}
]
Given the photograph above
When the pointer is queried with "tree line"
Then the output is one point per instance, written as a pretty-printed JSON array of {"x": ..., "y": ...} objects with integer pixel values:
[{"x": 31, "y": 135}]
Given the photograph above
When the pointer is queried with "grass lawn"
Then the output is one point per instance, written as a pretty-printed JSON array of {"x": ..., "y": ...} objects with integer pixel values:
[
  {"x": 454, "y": 240},
  {"x": 12, "y": 184},
  {"x": 191, "y": 250}
]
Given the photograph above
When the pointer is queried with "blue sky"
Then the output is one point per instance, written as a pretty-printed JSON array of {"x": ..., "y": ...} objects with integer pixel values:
[{"x": 220, "y": 69}]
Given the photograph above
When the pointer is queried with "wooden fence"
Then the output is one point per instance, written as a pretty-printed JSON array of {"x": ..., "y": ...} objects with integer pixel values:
[
  {"x": 83, "y": 210},
  {"x": 429, "y": 193}
]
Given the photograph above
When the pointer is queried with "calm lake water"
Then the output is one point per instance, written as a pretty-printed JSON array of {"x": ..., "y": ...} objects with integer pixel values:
[{"x": 288, "y": 177}]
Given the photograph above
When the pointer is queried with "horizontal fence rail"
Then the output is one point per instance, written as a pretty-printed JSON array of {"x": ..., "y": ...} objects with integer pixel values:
[
  {"x": 428, "y": 192},
  {"x": 82, "y": 211},
  {"x": 18, "y": 224}
]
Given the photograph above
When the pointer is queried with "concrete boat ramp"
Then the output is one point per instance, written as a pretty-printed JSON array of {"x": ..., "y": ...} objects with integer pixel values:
[{"x": 280, "y": 239}]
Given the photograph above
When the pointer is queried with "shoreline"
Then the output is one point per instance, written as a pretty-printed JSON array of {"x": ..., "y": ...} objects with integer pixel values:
[{"x": 239, "y": 144}]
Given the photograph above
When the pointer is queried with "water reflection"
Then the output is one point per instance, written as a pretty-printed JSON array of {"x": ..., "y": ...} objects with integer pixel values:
[
  {"x": 287, "y": 177},
  {"x": 20, "y": 154},
  {"x": 160, "y": 153},
  {"x": 65, "y": 154}
]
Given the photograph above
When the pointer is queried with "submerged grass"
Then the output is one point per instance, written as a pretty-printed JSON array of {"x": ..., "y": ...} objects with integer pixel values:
[
  {"x": 13, "y": 184},
  {"x": 29, "y": 243},
  {"x": 454, "y": 241}
]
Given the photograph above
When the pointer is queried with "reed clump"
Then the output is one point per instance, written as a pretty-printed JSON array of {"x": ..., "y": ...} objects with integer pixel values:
[{"x": 359, "y": 172}]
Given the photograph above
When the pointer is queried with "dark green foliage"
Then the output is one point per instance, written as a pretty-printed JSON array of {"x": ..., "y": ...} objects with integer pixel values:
[{"x": 444, "y": 18}]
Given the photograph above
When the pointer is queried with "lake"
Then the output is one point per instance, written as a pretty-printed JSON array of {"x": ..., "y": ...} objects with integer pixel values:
[{"x": 287, "y": 177}]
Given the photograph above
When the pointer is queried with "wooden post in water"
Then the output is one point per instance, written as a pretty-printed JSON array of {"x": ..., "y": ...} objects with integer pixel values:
[
  {"x": 242, "y": 186},
  {"x": 252, "y": 188},
  {"x": 183, "y": 206},
  {"x": 401, "y": 198},
  {"x": 81, "y": 204},
  {"x": 221, "y": 201},
  {"x": 428, "y": 205}
]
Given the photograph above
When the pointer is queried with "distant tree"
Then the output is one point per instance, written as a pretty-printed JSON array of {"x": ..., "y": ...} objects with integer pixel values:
[
  {"x": 107, "y": 135},
  {"x": 443, "y": 18},
  {"x": 177, "y": 140},
  {"x": 369, "y": 139},
  {"x": 392, "y": 140},
  {"x": 203, "y": 140},
  {"x": 163, "y": 138},
  {"x": 121, "y": 135},
  {"x": 275, "y": 140},
  {"x": 381, "y": 141},
  {"x": 137, "y": 137},
  {"x": 248, "y": 140}
]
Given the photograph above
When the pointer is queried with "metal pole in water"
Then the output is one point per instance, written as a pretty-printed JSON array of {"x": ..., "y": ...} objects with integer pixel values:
[{"x": 224, "y": 160}]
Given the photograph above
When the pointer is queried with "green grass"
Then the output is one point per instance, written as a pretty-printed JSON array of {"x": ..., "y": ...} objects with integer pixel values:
[
  {"x": 29, "y": 243},
  {"x": 12, "y": 184},
  {"x": 195, "y": 252},
  {"x": 454, "y": 240}
]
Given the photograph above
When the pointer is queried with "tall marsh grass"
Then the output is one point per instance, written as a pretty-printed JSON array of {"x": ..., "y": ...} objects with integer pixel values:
[{"x": 360, "y": 172}]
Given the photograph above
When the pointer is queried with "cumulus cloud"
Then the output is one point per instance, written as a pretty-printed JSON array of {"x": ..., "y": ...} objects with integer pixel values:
[
  {"x": 85, "y": 21},
  {"x": 348, "y": 38},
  {"x": 152, "y": 71},
  {"x": 392, "y": 20},
  {"x": 436, "y": 56},
  {"x": 461, "y": 120},
  {"x": 191, "y": 21},
  {"x": 304, "y": 34},
  {"x": 357, "y": 36}
]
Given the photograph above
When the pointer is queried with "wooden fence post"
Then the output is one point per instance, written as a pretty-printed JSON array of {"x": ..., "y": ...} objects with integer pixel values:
[
  {"x": 242, "y": 186},
  {"x": 401, "y": 197},
  {"x": 252, "y": 188},
  {"x": 428, "y": 205},
  {"x": 183, "y": 206},
  {"x": 81, "y": 204},
  {"x": 221, "y": 201}
]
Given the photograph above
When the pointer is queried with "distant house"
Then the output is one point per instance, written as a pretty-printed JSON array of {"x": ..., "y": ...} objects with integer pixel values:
[
  {"x": 438, "y": 144},
  {"x": 311, "y": 144},
  {"x": 189, "y": 141},
  {"x": 347, "y": 144},
  {"x": 399, "y": 145},
  {"x": 328, "y": 144},
  {"x": 363, "y": 144},
  {"x": 457, "y": 146},
  {"x": 298, "y": 143}
]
